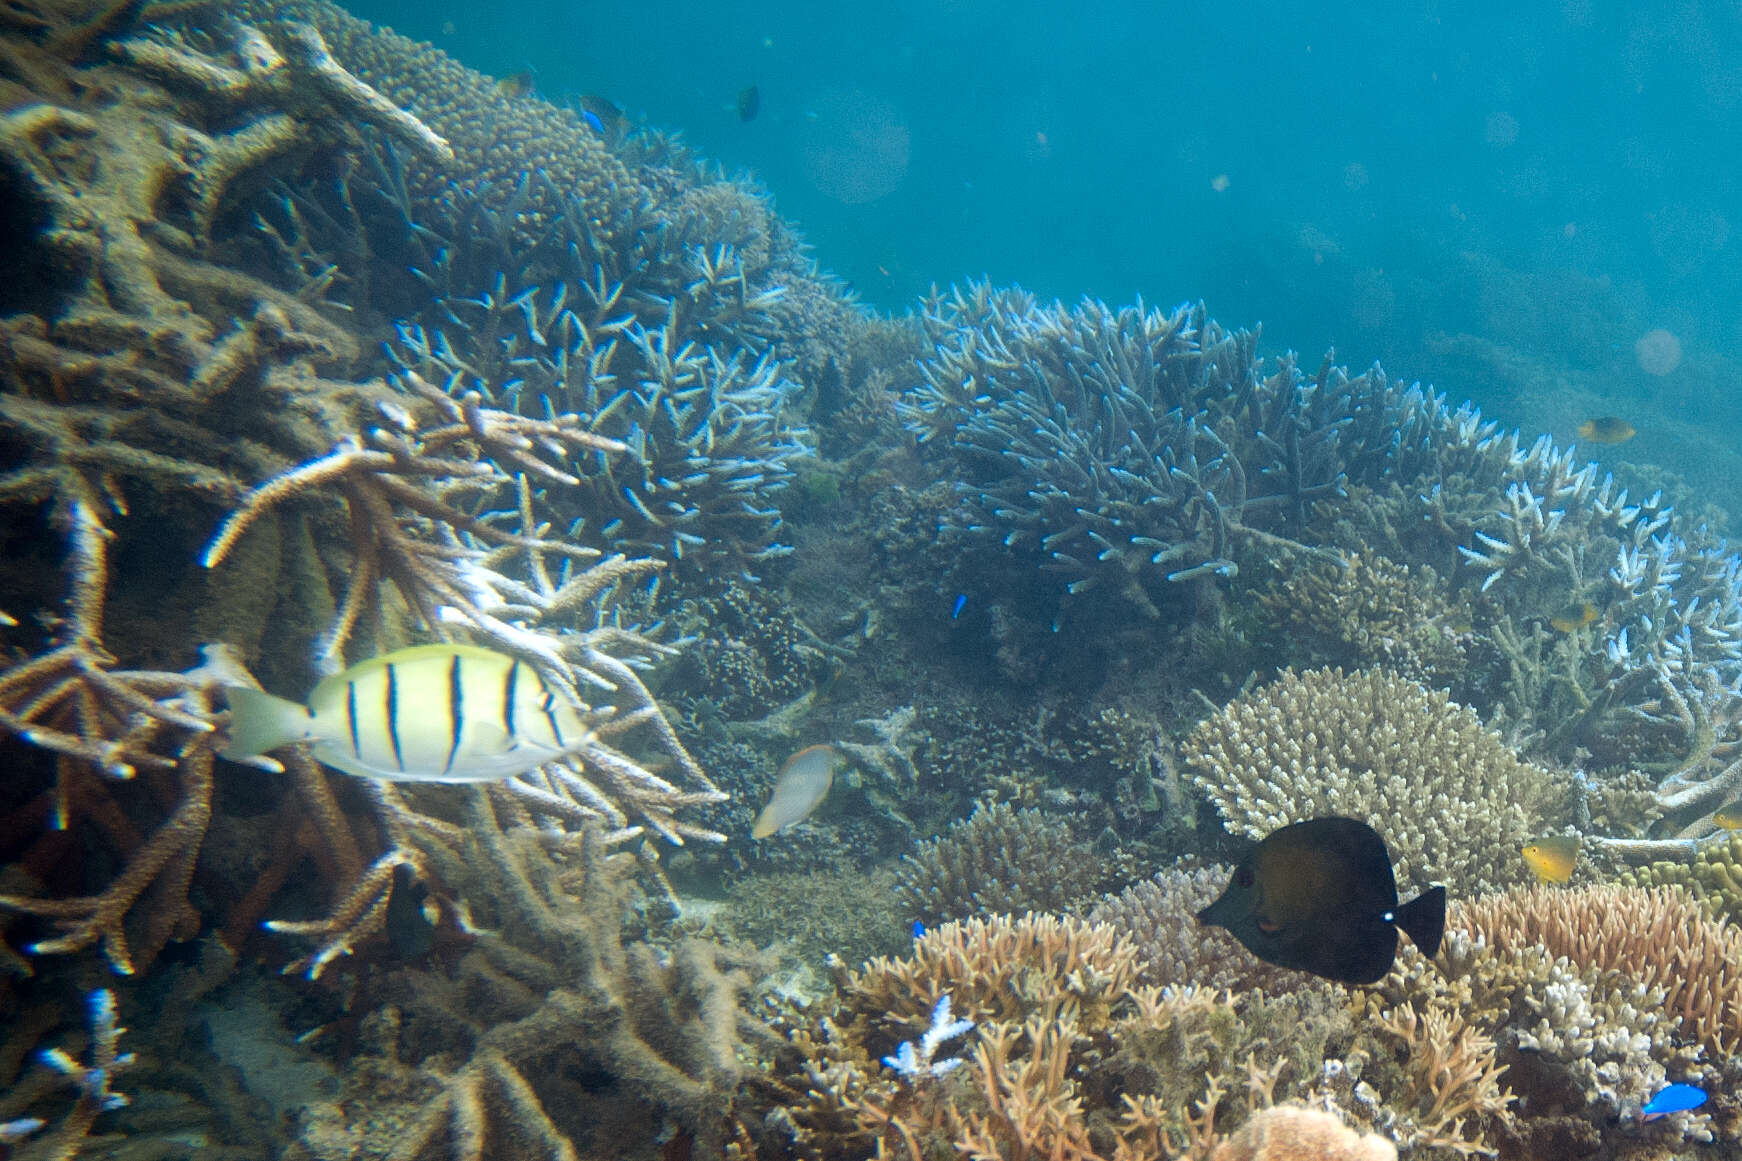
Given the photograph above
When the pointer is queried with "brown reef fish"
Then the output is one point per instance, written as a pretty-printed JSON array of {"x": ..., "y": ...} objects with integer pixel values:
[{"x": 1320, "y": 896}]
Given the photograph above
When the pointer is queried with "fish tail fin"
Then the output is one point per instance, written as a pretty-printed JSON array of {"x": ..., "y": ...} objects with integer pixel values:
[
  {"x": 1423, "y": 919},
  {"x": 260, "y": 722}
]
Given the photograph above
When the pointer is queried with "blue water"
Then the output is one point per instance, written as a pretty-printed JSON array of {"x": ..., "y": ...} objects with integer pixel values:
[{"x": 1501, "y": 199}]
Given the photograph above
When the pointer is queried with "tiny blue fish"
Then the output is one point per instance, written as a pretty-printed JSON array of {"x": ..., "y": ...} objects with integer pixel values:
[
  {"x": 918, "y": 928},
  {"x": 956, "y": 610},
  {"x": 592, "y": 119},
  {"x": 1677, "y": 1098}
]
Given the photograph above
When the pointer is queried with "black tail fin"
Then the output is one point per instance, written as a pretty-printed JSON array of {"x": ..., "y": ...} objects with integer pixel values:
[{"x": 1423, "y": 919}]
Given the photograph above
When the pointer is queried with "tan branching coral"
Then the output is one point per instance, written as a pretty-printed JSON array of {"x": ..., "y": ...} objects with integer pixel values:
[
  {"x": 552, "y": 989},
  {"x": 1453, "y": 803},
  {"x": 1068, "y": 1057},
  {"x": 398, "y": 481},
  {"x": 1453, "y": 1073},
  {"x": 999, "y": 860},
  {"x": 1660, "y": 938},
  {"x": 1371, "y": 611}
]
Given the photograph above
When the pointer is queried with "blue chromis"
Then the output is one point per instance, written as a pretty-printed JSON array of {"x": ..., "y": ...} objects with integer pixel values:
[
  {"x": 1552, "y": 858},
  {"x": 801, "y": 785},
  {"x": 1676, "y": 1098},
  {"x": 434, "y": 713},
  {"x": 1320, "y": 896}
]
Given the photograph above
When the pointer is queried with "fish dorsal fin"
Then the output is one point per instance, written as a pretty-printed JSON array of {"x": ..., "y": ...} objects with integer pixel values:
[{"x": 398, "y": 657}]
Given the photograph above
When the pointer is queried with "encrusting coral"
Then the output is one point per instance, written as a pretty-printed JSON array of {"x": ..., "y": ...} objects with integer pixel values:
[{"x": 1452, "y": 801}]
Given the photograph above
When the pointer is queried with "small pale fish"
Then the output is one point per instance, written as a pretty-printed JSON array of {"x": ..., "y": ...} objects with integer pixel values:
[
  {"x": 1676, "y": 1098},
  {"x": 1606, "y": 429},
  {"x": 434, "y": 713},
  {"x": 801, "y": 785},
  {"x": 1552, "y": 858},
  {"x": 1729, "y": 815},
  {"x": 1575, "y": 616}
]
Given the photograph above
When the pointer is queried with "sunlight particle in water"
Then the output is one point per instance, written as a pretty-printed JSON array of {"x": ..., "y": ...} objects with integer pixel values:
[
  {"x": 855, "y": 148},
  {"x": 1219, "y": 183},
  {"x": 1658, "y": 352},
  {"x": 1354, "y": 176},
  {"x": 1500, "y": 130}
]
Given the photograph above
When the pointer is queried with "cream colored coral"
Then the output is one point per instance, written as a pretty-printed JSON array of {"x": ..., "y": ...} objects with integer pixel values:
[
  {"x": 1452, "y": 801},
  {"x": 1292, "y": 1133}
]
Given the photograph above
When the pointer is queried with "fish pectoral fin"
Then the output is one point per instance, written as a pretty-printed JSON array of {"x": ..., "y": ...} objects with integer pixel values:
[{"x": 1267, "y": 926}]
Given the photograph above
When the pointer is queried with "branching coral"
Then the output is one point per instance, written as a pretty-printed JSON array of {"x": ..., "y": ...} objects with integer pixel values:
[
  {"x": 1373, "y": 612},
  {"x": 1001, "y": 860},
  {"x": 552, "y": 993},
  {"x": 1453, "y": 803},
  {"x": 1659, "y": 938},
  {"x": 1068, "y": 1057},
  {"x": 1122, "y": 449},
  {"x": 91, "y": 1081}
]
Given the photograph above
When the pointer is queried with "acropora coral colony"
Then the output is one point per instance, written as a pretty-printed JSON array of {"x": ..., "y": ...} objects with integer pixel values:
[{"x": 315, "y": 344}]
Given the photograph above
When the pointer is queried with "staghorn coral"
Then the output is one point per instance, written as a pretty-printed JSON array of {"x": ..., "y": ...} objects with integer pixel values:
[
  {"x": 1658, "y": 938},
  {"x": 1000, "y": 860},
  {"x": 1452, "y": 801},
  {"x": 90, "y": 1081},
  {"x": 553, "y": 992},
  {"x": 1121, "y": 450}
]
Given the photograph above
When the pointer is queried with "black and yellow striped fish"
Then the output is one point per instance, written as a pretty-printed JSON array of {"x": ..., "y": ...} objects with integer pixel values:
[{"x": 434, "y": 713}]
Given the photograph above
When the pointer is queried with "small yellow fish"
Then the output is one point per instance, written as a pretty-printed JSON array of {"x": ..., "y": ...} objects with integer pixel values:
[
  {"x": 801, "y": 785},
  {"x": 1606, "y": 429},
  {"x": 1729, "y": 815},
  {"x": 1575, "y": 616},
  {"x": 517, "y": 85},
  {"x": 433, "y": 713},
  {"x": 1552, "y": 857}
]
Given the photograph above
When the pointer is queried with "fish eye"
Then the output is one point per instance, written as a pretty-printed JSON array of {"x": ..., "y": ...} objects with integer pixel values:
[{"x": 1243, "y": 877}]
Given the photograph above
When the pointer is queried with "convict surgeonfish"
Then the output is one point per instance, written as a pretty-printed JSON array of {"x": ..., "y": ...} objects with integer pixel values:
[
  {"x": 434, "y": 713},
  {"x": 1320, "y": 896},
  {"x": 1552, "y": 858},
  {"x": 801, "y": 785}
]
